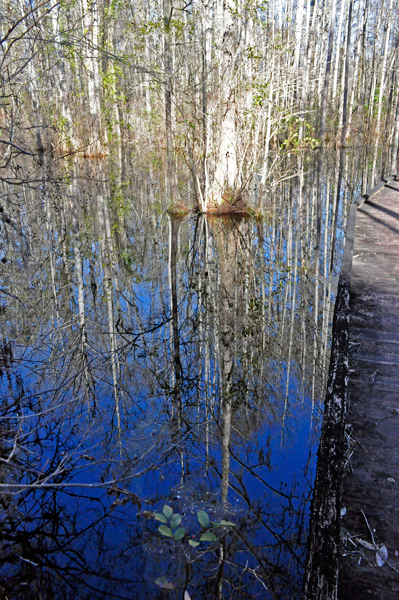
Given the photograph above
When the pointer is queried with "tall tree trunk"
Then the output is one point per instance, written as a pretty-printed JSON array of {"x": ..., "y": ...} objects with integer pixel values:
[
  {"x": 226, "y": 187},
  {"x": 381, "y": 92},
  {"x": 322, "y": 134},
  {"x": 171, "y": 182},
  {"x": 91, "y": 25},
  {"x": 343, "y": 134}
]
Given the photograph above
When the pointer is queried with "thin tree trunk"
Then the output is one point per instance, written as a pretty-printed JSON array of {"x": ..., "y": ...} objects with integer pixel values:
[{"x": 343, "y": 134}]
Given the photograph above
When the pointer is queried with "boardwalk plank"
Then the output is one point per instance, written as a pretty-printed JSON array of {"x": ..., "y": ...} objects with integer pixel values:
[{"x": 373, "y": 425}]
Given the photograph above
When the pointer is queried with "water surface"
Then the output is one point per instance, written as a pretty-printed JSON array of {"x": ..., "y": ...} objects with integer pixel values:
[{"x": 152, "y": 361}]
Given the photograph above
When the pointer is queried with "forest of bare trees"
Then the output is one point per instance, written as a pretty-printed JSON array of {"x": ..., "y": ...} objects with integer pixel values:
[
  {"x": 151, "y": 359},
  {"x": 213, "y": 95}
]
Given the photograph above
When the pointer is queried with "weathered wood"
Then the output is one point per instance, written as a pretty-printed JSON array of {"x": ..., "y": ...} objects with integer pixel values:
[
  {"x": 372, "y": 486},
  {"x": 324, "y": 544}
]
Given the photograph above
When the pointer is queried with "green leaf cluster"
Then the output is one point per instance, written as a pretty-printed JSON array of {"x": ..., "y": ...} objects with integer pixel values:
[
  {"x": 174, "y": 520},
  {"x": 171, "y": 526}
]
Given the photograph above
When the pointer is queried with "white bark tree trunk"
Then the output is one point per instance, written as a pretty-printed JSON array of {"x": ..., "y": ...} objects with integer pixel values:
[
  {"x": 381, "y": 92},
  {"x": 226, "y": 187},
  {"x": 91, "y": 17}
]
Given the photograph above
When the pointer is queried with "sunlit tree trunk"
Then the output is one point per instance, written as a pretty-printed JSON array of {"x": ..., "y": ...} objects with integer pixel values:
[
  {"x": 381, "y": 91},
  {"x": 226, "y": 187},
  {"x": 91, "y": 18},
  {"x": 322, "y": 136},
  {"x": 265, "y": 173},
  {"x": 361, "y": 16},
  {"x": 338, "y": 51},
  {"x": 343, "y": 135},
  {"x": 171, "y": 181},
  {"x": 395, "y": 136},
  {"x": 63, "y": 82}
]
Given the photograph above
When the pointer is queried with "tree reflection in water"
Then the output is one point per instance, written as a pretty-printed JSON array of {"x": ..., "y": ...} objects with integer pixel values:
[{"x": 150, "y": 360}]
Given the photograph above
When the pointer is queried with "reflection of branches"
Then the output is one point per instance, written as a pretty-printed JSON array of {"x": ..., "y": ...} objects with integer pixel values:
[
  {"x": 58, "y": 531},
  {"x": 128, "y": 331},
  {"x": 275, "y": 534},
  {"x": 61, "y": 460},
  {"x": 267, "y": 485},
  {"x": 3, "y": 291}
]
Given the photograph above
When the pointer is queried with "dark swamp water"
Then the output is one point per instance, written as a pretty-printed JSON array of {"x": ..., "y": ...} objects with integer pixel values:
[{"x": 151, "y": 361}]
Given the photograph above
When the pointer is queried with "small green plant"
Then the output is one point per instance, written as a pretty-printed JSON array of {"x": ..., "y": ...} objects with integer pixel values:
[
  {"x": 174, "y": 520},
  {"x": 171, "y": 526}
]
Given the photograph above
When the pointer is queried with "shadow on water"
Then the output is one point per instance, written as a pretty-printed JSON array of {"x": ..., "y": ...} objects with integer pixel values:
[{"x": 149, "y": 361}]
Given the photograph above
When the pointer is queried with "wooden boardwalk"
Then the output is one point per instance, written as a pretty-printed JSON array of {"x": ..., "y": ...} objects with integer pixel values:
[{"x": 370, "y": 501}]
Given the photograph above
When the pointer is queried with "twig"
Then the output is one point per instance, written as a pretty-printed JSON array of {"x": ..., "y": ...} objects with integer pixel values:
[
  {"x": 394, "y": 412},
  {"x": 374, "y": 375},
  {"x": 377, "y": 549},
  {"x": 369, "y": 528}
]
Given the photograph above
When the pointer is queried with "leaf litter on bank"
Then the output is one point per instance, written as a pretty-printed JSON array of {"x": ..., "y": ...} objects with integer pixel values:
[{"x": 381, "y": 556}]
